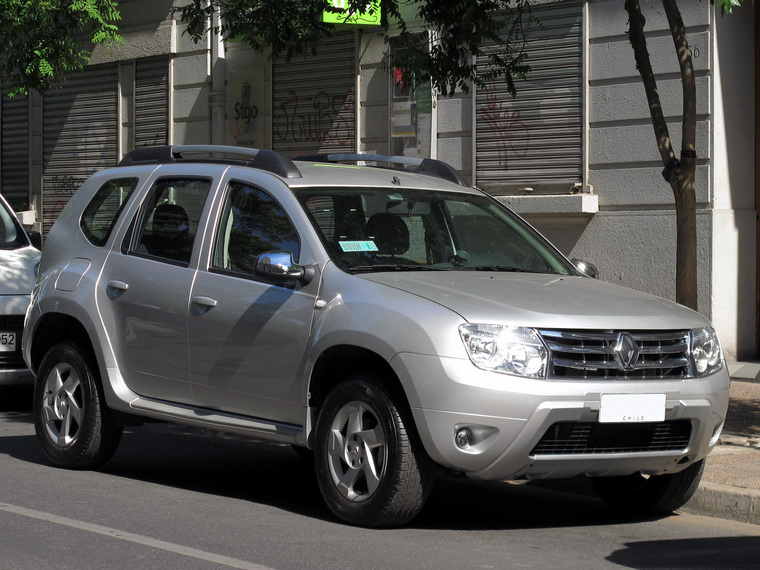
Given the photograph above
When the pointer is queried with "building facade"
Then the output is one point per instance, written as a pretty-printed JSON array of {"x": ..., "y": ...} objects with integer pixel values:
[{"x": 574, "y": 152}]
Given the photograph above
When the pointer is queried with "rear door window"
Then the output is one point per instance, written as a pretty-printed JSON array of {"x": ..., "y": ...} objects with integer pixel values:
[{"x": 170, "y": 219}]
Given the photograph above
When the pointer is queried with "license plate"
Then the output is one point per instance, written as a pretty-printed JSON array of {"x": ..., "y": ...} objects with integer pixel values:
[
  {"x": 7, "y": 341},
  {"x": 632, "y": 408}
]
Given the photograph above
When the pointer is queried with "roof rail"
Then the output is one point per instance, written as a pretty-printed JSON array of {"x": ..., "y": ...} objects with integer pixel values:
[
  {"x": 428, "y": 166},
  {"x": 262, "y": 159}
]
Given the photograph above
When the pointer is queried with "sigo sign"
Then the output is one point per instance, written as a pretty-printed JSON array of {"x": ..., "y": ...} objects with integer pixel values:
[{"x": 244, "y": 109}]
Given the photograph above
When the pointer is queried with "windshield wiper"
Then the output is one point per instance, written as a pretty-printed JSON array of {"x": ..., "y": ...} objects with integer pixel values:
[
  {"x": 497, "y": 268},
  {"x": 394, "y": 267}
]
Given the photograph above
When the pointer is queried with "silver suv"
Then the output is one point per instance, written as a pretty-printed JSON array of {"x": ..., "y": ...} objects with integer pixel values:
[{"x": 392, "y": 320}]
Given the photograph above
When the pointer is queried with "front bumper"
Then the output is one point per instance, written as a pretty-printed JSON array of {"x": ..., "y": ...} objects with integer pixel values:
[
  {"x": 13, "y": 370},
  {"x": 508, "y": 416}
]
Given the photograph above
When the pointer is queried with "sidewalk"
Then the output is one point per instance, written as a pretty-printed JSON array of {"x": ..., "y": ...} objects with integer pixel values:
[{"x": 730, "y": 487}]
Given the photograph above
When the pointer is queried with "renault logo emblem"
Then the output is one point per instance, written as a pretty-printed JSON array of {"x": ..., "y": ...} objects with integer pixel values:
[{"x": 627, "y": 351}]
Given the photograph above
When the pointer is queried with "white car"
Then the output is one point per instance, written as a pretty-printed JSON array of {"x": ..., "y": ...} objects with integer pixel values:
[{"x": 18, "y": 267}]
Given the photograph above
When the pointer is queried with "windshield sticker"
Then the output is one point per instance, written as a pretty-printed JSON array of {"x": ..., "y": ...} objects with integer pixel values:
[{"x": 348, "y": 246}]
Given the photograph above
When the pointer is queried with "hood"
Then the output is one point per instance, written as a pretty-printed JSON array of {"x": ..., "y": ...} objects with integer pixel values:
[
  {"x": 17, "y": 270},
  {"x": 543, "y": 301}
]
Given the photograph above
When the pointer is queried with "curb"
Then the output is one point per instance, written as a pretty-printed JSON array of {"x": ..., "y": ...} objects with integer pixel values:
[
  {"x": 744, "y": 371},
  {"x": 725, "y": 502}
]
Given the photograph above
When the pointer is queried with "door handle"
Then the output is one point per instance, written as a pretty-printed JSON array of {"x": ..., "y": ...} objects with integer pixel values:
[
  {"x": 205, "y": 304},
  {"x": 116, "y": 288}
]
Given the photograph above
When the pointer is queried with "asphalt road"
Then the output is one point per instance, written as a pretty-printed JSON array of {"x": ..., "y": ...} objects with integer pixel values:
[{"x": 174, "y": 497}]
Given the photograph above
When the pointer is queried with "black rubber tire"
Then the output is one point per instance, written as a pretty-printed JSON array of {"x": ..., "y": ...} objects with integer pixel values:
[
  {"x": 655, "y": 495},
  {"x": 73, "y": 424},
  {"x": 402, "y": 472}
]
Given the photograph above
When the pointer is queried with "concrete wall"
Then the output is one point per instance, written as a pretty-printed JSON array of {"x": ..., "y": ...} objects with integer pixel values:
[
  {"x": 374, "y": 90},
  {"x": 733, "y": 159},
  {"x": 148, "y": 29},
  {"x": 632, "y": 238}
]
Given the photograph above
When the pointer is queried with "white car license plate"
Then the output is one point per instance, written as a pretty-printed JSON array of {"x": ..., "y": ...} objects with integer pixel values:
[
  {"x": 7, "y": 341},
  {"x": 625, "y": 408}
]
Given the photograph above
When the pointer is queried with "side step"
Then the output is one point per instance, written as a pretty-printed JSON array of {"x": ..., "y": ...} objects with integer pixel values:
[{"x": 252, "y": 428}]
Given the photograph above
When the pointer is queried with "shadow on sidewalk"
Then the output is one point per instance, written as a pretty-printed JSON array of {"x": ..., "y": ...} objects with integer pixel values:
[{"x": 743, "y": 416}]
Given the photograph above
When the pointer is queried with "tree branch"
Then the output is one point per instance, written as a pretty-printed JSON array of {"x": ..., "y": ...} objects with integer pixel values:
[{"x": 638, "y": 41}]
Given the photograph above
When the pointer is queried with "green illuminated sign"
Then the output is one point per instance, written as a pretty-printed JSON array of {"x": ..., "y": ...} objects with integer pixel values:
[{"x": 370, "y": 16}]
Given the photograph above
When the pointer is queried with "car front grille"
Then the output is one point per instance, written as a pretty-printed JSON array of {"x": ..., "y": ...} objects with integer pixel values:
[
  {"x": 605, "y": 355},
  {"x": 12, "y": 360},
  {"x": 574, "y": 438}
]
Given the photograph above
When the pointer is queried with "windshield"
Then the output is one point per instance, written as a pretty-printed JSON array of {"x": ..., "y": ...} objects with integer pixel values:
[
  {"x": 11, "y": 233},
  {"x": 400, "y": 230}
]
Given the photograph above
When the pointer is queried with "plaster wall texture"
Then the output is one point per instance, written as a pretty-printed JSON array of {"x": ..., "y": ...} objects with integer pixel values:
[
  {"x": 189, "y": 92},
  {"x": 141, "y": 13},
  {"x": 632, "y": 239},
  {"x": 733, "y": 158},
  {"x": 454, "y": 121},
  {"x": 634, "y": 187},
  {"x": 457, "y": 151},
  {"x": 610, "y": 16},
  {"x": 138, "y": 42},
  {"x": 637, "y": 249},
  {"x": 374, "y": 89},
  {"x": 733, "y": 282},
  {"x": 127, "y": 106}
]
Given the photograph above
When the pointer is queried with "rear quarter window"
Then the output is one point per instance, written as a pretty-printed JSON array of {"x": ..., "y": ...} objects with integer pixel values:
[{"x": 100, "y": 215}]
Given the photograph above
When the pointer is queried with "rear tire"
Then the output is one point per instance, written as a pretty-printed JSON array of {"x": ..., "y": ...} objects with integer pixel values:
[
  {"x": 73, "y": 424},
  {"x": 371, "y": 467},
  {"x": 655, "y": 495}
]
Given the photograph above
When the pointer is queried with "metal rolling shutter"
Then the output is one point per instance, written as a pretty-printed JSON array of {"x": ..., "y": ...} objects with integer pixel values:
[
  {"x": 313, "y": 100},
  {"x": 15, "y": 152},
  {"x": 79, "y": 135},
  {"x": 151, "y": 101},
  {"x": 536, "y": 139}
]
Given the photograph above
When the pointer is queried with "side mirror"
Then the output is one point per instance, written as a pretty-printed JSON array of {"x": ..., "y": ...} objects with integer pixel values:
[
  {"x": 36, "y": 238},
  {"x": 588, "y": 269},
  {"x": 279, "y": 267}
]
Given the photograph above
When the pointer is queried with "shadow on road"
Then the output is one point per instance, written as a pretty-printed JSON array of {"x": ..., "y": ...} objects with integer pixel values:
[
  {"x": 16, "y": 399},
  {"x": 227, "y": 466},
  {"x": 206, "y": 462},
  {"x": 724, "y": 552}
]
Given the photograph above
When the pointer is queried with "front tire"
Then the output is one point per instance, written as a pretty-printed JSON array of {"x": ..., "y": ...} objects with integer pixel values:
[
  {"x": 371, "y": 467},
  {"x": 655, "y": 495},
  {"x": 73, "y": 424}
]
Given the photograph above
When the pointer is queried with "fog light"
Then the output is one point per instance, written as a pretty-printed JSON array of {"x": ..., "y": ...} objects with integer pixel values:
[{"x": 463, "y": 438}]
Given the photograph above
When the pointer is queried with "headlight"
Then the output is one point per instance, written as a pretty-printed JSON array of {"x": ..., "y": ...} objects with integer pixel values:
[
  {"x": 511, "y": 350},
  {"x": 706, "y": 352}
]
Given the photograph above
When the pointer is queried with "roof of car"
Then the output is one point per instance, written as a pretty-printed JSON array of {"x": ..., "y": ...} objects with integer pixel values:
[{"x": 306, "y": 170}]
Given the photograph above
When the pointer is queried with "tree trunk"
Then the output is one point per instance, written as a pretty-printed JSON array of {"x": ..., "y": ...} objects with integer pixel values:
[{"x": 678, "y": 173}]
